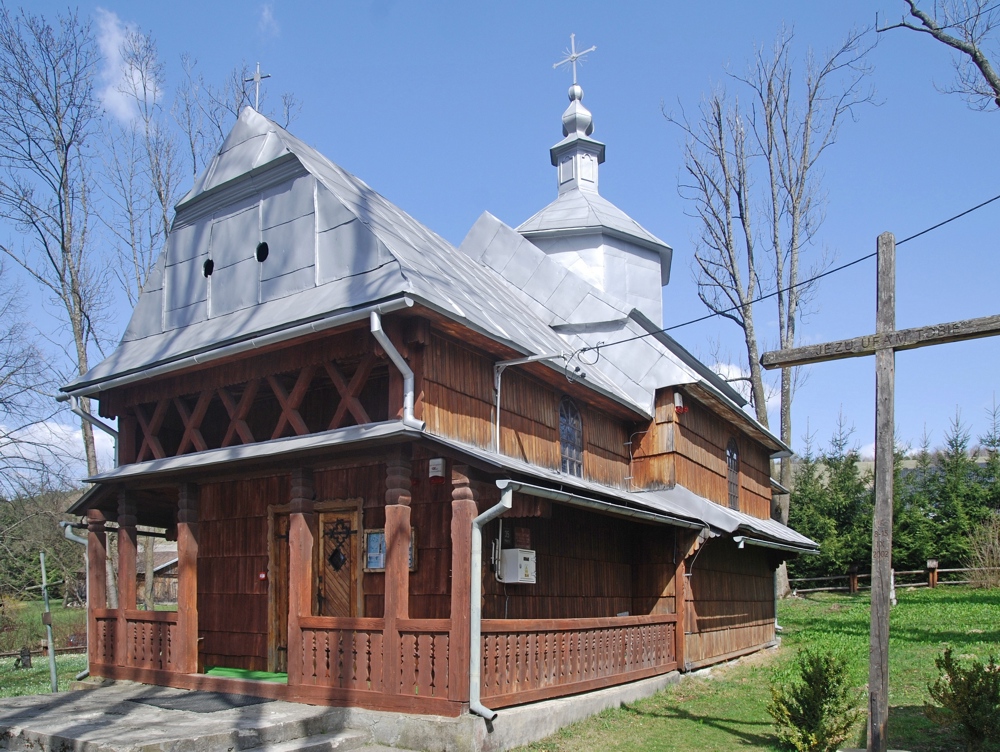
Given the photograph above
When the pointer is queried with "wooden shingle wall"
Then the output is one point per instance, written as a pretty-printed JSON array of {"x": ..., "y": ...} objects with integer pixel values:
[
  {"x": 588, "y": 565},
  {"x": 232, "y": 599},
  {"x": 729, "y": 606}
]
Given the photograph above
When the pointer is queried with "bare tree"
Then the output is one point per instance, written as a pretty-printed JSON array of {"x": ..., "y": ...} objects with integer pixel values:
[
  {"x": 970, "y": 27},
  {"x": 206, "y": 112},
  {"x": 47, "y": 114},
  {"x": 27, "y": 457},
  {"x": 751, "y": 176},
  {"x": 142, "y": 165}
]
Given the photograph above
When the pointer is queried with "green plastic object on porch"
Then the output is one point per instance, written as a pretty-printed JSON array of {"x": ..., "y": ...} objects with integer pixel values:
[{"x": 242, "y": 673}]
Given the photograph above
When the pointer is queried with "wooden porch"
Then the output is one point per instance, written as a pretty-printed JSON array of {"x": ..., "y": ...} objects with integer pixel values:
[{"x": 389, "y": 662}]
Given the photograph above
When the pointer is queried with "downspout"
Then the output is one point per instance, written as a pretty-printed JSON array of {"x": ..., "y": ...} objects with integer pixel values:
[
  {"x": 404, "y": 368},
  {"x": 475, "y": 603},
  {"x": 77, "y": 410},
  {"x": 70, "y": 535}
]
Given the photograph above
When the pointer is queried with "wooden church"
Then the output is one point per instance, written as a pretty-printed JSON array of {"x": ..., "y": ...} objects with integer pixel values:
[{"x": 407, "y": 476}]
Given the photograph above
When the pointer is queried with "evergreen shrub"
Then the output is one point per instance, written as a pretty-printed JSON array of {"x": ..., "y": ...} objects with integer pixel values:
[
  {"x": 969, "y": 699},
  {"x": 816, "y": 711}
]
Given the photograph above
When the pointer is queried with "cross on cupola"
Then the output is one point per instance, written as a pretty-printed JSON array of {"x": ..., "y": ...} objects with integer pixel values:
[
  {"x": 577, "y": 156},
  {"x": 572, "y": 55},
  {"x": 256, "y": 78}
]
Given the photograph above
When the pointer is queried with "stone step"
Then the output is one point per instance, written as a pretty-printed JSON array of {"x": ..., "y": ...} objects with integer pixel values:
[{"x": 341, "y": 741}]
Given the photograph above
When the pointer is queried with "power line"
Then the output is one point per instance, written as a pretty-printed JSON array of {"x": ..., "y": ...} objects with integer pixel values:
[{"x": 782, "y": 290}]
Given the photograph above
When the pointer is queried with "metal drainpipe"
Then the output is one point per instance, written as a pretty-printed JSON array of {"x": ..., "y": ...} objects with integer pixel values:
[
  {"x": 70, "y": 535},
  {"x": 475, "y": 605},
  {"x": 76, "y": 409},
  {"x": 402, "y": 365}
]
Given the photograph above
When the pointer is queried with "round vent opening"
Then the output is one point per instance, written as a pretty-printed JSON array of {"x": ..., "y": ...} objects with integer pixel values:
[
  {"x": 208, "y": 268},
  {"x": 261, "y": 253}
]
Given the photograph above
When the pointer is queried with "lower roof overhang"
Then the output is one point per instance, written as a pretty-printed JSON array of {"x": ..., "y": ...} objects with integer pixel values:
[{"x": 676, "y": 506}]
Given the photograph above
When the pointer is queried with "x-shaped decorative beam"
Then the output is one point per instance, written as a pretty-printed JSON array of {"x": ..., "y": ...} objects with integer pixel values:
[
  {"x": 192, "y": 422},
  {"x": 349, "y": 392},
  {"x": 290, "y": 402},
  {"x": 238, "y": 413},
  {"x": 150, "y": 429}
]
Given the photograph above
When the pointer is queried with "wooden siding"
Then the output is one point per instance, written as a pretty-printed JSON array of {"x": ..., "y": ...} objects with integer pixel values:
[
  {"x": 588, "y": 566},
  {"x": 700, "y": 441},
  {"x": 232, "y": 599},
  {"x": 430, "y": 515},
  {"x": 729, "y": 606},
  {"x": 458, "y": 402}
]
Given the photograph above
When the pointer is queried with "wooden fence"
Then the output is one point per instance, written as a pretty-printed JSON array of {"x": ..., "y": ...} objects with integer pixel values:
[{"x": 929, "y": 577}]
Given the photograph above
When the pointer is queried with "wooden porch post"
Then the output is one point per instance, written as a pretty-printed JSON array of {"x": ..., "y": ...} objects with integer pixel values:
[
  {"x": 301, "y": 524},
  {"x": 186, "y": 655},
  {"x": 97, "y": 580},
  {"x": 463, "y": 512},
  {"x": 126, "y": 572},
  {"x": 397, "y": 563}
]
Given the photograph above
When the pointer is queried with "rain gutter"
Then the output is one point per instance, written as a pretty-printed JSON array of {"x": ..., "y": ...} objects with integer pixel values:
[
  {"x": 404, "y": 368},
  {"x": 76, "y": 409},
  {"x": 476, "y": 595},
  {"x": 601, "y": 506},
  {"x": 741, "y": 540},
  {"x": 243, "y": 346}
]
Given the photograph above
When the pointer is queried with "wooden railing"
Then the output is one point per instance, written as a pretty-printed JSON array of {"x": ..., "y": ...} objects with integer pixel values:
[
  {"x": 525, "y": 660},
  {"x": 424, "y": 657},
  {"x": 149, "y": 639},
  {"x": 106, "y": 623},
  {"x": 341, "y": 652}
]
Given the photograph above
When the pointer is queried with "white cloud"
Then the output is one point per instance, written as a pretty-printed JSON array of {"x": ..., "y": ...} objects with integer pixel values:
[
  {"x": 733, "y": 375},
  {"x": 111, "y": 31},
  {"x": 267, "y": 24},
  {"x": 57, "y": 447}
]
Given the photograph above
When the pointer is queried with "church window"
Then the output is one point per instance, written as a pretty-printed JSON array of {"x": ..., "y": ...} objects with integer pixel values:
[
  {"x": 570, "y": 438},
  {"x": 733, "y": 465}
]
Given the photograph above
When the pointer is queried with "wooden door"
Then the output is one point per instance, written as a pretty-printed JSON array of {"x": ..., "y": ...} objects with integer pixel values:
[
  {"x": 277, "y": 647},
  {"x": 337, "y": 563}
]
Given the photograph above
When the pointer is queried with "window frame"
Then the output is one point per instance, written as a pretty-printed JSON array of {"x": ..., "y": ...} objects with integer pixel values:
[
  {"x": 733, "y": 473},
  {"x": 570, "y": 446}
]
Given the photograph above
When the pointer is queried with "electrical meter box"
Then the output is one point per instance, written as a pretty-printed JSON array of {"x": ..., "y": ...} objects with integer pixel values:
[{"x": 517, "y": 566}]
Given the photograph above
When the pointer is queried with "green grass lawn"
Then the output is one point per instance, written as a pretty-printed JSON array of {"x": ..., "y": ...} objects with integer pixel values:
[
  {"x": 35, "y": 680},
  {"x": 21, "y": 625},
  {"x": 728, "y": 710}
]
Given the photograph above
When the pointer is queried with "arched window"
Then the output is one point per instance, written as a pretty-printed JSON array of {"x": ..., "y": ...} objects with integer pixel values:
[
  {"x": 570, "y": 438},
  {"x": 733, "y": 464}
]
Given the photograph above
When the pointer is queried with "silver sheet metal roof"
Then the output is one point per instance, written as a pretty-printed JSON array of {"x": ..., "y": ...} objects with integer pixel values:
[
  {"x": 589, "y": 211},
  {"x": 334, "y": 245}
]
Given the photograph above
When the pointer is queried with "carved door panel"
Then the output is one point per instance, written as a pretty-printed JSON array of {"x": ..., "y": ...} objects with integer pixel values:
[
  {"x": 337, "y": 569},
  {"x": 277, "y": 653}
]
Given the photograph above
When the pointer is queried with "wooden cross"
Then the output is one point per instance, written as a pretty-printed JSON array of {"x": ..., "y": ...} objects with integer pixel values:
[{"x": 883, "y": 344}]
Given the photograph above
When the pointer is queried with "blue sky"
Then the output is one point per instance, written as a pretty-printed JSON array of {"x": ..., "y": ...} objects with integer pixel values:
[{"x": 448, "y": 109}]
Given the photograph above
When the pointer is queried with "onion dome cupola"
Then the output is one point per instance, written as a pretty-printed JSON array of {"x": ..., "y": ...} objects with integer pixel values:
[{"x": 588, "y": 234}]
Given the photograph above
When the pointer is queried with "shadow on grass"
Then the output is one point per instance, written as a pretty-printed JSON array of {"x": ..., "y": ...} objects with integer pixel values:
[
  {"x": 910, "y": 729},
  {"x": 728, "y": 725}
]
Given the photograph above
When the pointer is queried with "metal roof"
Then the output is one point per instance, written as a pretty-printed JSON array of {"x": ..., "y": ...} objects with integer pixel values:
[
  {"x": 677, "y": 502},
  {"x": 334, "y": 245}
]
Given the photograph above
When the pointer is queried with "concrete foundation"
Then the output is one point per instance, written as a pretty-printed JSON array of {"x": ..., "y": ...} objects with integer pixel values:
[{"x": 104, "y": 719}]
